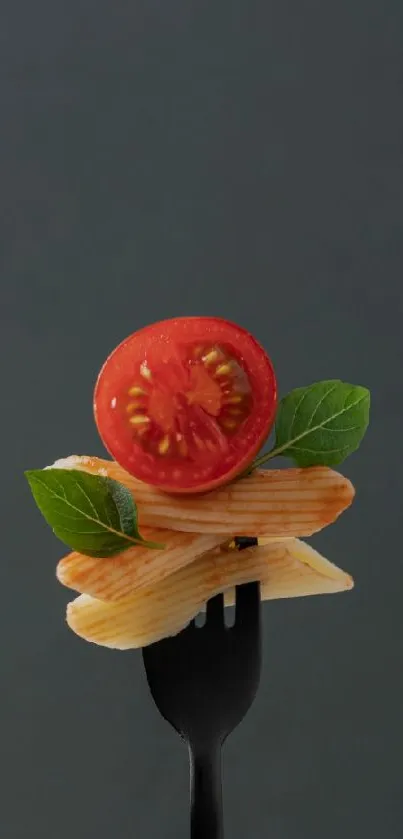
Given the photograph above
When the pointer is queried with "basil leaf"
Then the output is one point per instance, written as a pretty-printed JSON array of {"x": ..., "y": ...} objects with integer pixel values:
[
  {"x": 93, "y": 515},
  {"x": 320, "y": 425}
]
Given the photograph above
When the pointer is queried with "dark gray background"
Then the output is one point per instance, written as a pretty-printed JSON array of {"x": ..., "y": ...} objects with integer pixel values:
[{"x": 235, "y": 158}]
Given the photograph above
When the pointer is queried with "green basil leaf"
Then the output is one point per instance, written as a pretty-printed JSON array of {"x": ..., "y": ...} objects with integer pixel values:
[
  {"x": 320, "y": 425},
  {"x": 93, "y": 515}
]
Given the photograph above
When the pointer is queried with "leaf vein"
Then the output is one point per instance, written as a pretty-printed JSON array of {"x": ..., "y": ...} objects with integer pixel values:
[
  {"x": 322, "y": 399},
  {"x": 315, "y": 451},
  {"x": 297, "y": 407},
  {"x": 87, "y": 498},
  {"x": 341, "y": 430}
]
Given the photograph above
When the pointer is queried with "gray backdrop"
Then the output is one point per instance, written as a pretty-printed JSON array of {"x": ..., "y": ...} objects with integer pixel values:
[{"x": 241, "y": 159}]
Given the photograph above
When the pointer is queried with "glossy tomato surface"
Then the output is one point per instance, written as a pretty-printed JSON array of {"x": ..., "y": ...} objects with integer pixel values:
[{"x": 185, "y": 404}]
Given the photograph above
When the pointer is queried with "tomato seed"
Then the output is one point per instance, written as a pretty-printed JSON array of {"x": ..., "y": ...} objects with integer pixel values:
[
  {"x": 164, "y": 445},
  {"x": 139, "y": 419}
]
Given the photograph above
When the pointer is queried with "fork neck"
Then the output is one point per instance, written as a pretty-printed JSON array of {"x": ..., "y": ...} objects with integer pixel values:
[{"x": 206, "y": 813}]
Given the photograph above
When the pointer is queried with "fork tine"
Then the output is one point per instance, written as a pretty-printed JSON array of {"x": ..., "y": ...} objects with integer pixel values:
[
  {"x": 247, "y": 607},
  {"x": 215, "y": 611}
]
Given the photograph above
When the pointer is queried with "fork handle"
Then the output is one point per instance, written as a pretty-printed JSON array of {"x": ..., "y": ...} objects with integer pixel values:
[{"x": 206, "y": 816}]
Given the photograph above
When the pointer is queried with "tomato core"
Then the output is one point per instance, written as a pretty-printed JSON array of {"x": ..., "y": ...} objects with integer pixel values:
[{"x": 179, "y": 404}]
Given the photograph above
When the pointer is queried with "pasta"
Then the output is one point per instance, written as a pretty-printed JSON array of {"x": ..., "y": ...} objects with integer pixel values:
[
  {"x": 118, "y": 576},
  {"x": 286, "y": 569},
  {"x": 275, "y": 502}
]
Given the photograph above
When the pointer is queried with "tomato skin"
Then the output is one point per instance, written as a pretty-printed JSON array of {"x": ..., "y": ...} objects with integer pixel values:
[{"x": 156, "y": 441}]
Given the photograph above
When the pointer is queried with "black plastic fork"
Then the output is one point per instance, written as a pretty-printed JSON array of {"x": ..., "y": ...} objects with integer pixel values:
[{"x": 203, "y": 681}]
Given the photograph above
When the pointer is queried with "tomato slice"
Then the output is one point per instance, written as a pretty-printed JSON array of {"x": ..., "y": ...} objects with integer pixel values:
[{"x": 185, "y": 404}]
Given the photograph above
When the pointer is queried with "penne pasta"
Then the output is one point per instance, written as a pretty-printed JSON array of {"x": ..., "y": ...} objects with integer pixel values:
[
  {"x": 287, "y": 569},
  {"x": 118, "y": 576},
  {"x": 275, "y": 502},
  {"x": 305, "y": 572}
]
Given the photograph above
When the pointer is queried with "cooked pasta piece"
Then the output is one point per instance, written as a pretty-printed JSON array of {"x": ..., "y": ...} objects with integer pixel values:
[
  {"x": 118, "y": 576},
  {"x": 304, "y": 573},
  {"x": 287, "y": 569},
  {"x": 275, "y": 502}
]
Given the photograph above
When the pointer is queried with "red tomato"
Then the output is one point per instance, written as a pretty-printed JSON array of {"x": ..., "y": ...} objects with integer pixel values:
[{"x": 185, "y": 404}]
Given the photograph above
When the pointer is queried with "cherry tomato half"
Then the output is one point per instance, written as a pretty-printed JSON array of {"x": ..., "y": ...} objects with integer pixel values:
[{"x": 185, "y": 404}]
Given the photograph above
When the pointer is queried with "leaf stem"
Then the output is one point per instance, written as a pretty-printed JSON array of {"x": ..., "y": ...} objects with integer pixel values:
[
  {"x": 261, "y": 460},
  {"x": 158, "y": 546},
  {"x": 274, "y": 452}
]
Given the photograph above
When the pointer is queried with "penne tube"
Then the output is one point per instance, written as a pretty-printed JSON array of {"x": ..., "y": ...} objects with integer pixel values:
[
  {"x": 305, "y": 572},
  {"x": 274, "y": 502},
  {"x": 118, "y": 576},
  {"x": 287, "y": 569}
]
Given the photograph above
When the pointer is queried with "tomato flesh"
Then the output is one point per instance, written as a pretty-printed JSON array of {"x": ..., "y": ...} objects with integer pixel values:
[{"x": 185, "y": 404}]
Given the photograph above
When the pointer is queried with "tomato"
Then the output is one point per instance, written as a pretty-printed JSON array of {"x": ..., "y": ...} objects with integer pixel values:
[{"x": 185, "y": 404}]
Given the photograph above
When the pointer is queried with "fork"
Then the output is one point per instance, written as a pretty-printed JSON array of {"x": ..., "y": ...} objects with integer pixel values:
[{"x": 203, "y": 681}]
